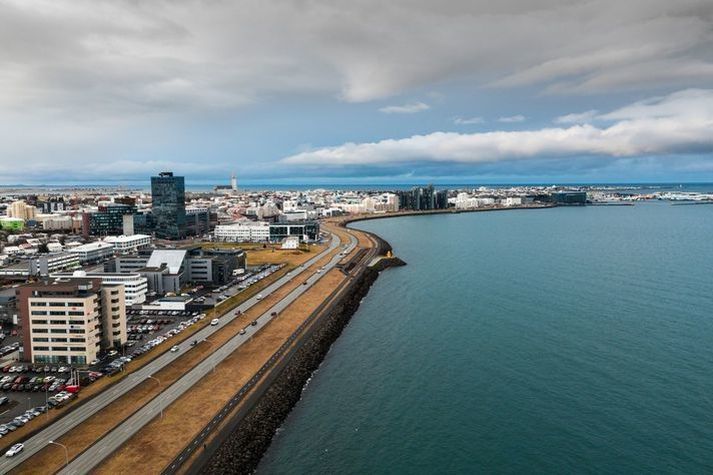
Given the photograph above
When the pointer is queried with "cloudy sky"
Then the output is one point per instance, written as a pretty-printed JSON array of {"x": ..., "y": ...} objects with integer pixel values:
[{"x": 358, "y": 91}]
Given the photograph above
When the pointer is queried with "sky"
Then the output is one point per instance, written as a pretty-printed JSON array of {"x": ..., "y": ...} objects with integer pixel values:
[{"x": 360, "y": 91}]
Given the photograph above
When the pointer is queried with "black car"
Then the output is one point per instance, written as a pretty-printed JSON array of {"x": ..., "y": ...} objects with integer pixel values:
[{"x": 253, "y": 323}]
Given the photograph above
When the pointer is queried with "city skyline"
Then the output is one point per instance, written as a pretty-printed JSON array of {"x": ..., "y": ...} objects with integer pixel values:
[{"x": 317, "y": 93}]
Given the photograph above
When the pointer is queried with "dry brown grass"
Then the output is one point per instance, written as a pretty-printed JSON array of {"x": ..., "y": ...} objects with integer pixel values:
[
  {"x": 258, "y": 257},
  {"x": 155, "y": 445},
  {"x": 99, "y": 424}
]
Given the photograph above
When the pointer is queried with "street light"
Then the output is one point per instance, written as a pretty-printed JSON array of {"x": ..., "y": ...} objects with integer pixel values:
[
  {"x": 66, "y": 453},
  {"x": 159, "y": 387}
]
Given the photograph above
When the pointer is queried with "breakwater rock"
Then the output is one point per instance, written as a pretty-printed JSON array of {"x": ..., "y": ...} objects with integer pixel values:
[{"x": 244, "y": 446}]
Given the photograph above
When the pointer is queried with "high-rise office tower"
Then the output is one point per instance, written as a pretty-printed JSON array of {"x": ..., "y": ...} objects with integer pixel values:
[{"x": 168, "y": 193}]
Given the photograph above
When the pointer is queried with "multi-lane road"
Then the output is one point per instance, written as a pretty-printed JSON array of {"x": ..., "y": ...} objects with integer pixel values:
[
  {"x": 70, "y": 421},
  {"x": 121, "y": 433}
]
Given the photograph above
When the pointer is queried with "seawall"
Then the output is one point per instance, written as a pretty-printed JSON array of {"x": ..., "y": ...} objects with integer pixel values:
[{"x": 247, "y": 438}]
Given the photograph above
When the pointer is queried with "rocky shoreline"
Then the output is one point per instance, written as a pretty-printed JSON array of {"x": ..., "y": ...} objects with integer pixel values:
[{"x": 243, "y": 448}]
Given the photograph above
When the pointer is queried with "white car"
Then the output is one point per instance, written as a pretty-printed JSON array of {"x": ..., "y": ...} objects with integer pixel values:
[
  {"x": 214, "y": 322},
  {"x": 174, "y": 349},
  {"x": 14, "y": 450},
  {"x": 259, "y": 297}
]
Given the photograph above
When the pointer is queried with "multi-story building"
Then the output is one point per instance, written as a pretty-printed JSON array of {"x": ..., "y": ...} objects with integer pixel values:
[
  {"x": 135, "y": 285},
  {"x": 421, "y": 199},
  {"x": 70, "y": 321},
  {"x": 41, "y": 265},
  {"x": 108, "y": 220},
  {"x": 305, "y": 231},
  {"x": 243, "y": 231},
  {"x": 129, "y": 244},
  {"x": 261, "y": 231},
  {"x": 21, "y": 210},
  {"x": 57, "y": 223},
  {"x": 8, "y": 307},
  {"x": 577, "y": 198},
  {"x": 93, "y": 251},
  {"x": 46, "y": 264},
  {"x": 197, "y": 221},
  {"x": 169, "y": 205},
  {"x": 167, "y": 270},
  {"x": 51, "y": 204}
]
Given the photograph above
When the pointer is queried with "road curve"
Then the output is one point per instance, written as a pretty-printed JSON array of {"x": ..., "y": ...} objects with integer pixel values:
[{"x": 66, "y": 423}]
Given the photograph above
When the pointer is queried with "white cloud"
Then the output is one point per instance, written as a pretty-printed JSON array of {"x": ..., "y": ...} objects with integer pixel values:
[
  {"x": 577, "y": 117},
  {"x": 111, "y": 72},
  {"x": 118, "y": 55},
  {"x": 678, "y": 123},
  {"x": 512, "y": 119},
  {"x": 468, "y": 121},
  {"x": 411, "y": 108}
]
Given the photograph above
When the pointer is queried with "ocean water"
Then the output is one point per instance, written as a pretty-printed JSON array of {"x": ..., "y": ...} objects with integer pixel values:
[{"x": 567, "y": 340}]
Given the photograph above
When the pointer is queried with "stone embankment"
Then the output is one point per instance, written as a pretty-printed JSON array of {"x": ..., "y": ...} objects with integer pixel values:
[{"x": 245, "y": 444}]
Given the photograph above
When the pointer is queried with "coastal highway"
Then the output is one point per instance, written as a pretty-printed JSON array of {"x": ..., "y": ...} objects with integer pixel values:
[
  {"x": 74, "y": 418},
  {"x": 91, "y": 457}
]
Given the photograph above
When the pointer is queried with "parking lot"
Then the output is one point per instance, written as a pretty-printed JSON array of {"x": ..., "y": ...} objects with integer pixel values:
[
  {"x": 241, "y": 282},
  {"x": 28, "y": 390},
  {"x": 30, "y": 386}
]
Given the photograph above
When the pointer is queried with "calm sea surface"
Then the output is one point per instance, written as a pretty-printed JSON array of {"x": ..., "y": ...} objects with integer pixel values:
[{"x": 535, "y": 341}]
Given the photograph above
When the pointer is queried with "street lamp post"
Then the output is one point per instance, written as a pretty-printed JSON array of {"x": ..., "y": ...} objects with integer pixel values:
[
  {"x": 159, "y": 386},
  {"x": 66, "y": 452}
]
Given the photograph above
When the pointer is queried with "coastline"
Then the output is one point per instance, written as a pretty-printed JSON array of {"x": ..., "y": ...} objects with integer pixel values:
[{"x": 240, "y": 445}]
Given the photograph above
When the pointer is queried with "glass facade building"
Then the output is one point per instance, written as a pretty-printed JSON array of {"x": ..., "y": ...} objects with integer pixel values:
[
  {"x": 305, "y": 231},
  {"x": 168, "y": 193},
  {"x": 423, "y": 198},
  {"x": 108, "y": 220}
]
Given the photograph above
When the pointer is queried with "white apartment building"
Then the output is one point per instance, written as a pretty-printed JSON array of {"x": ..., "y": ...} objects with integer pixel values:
[
  {"x": 512, "y": 201},
  {"x": 46, "y": 264},
  {"x": 466, "y": 201},
  {"x": 128, "y": 244},
  {"x": 135, "y": 285},
  {"x": 243, "y": 231},
  {"x": 94, "y": 251}
]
